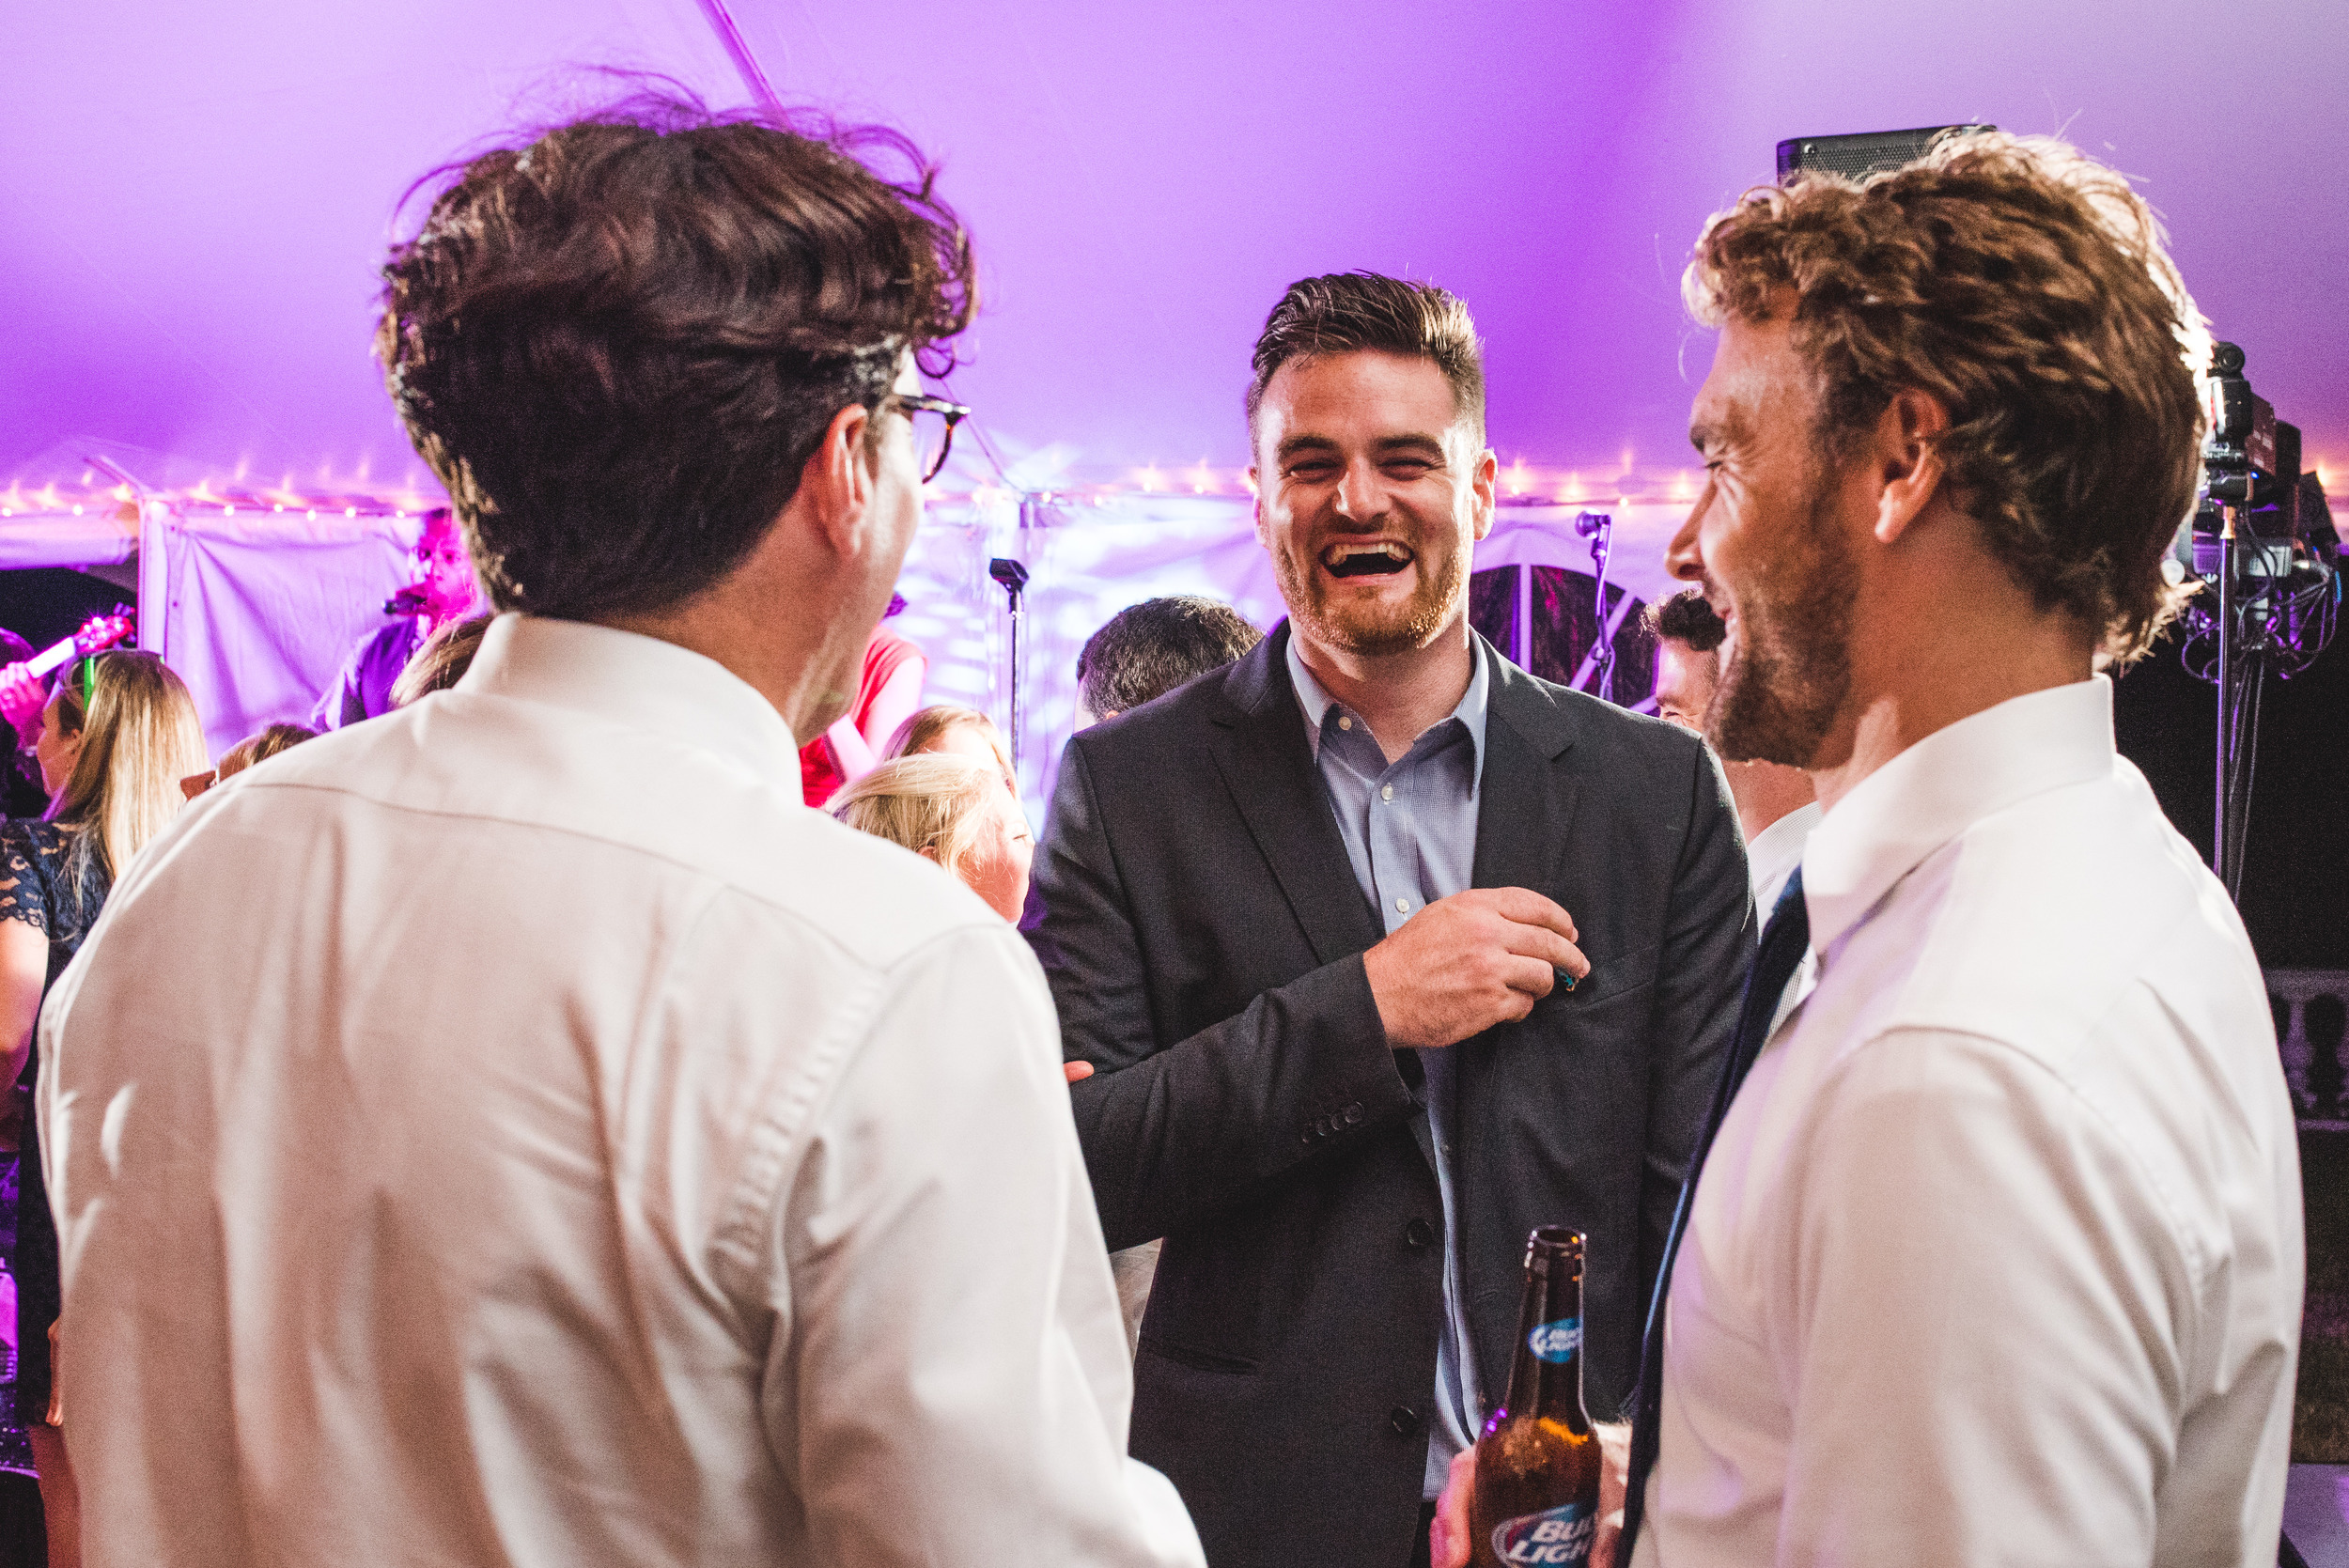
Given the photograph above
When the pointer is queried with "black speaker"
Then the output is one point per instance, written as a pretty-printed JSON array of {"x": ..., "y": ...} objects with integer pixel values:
[{"x": 1870, "y": 152}]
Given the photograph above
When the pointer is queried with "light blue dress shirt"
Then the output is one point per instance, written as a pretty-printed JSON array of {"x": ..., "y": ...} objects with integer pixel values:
[{"x": 1409, "y": 828}]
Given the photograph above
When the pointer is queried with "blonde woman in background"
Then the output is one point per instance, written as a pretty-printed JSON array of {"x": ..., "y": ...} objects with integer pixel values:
[
  {"x": 955, "y": 812},
  {"x": 117, "y": 734},
  {"x": 951, "y": 729},
  {"x": 950, "y": 810}
]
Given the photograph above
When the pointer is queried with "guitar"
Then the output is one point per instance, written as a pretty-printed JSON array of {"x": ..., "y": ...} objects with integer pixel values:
[{"x": 98, "y": 634}]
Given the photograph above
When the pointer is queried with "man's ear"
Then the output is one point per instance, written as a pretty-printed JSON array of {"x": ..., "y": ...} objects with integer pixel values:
[
  {"x": 1907, "y": 459},
  {"x": 838, "y": 481},
  {"x": 1486, "y": 475},
  {"x": 1256, "y": 508}
]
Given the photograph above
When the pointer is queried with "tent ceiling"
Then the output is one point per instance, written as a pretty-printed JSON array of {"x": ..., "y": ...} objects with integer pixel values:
[{"x": 198, "y": 198}]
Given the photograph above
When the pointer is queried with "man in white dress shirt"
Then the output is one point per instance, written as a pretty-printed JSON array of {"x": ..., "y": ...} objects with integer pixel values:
[
  {"x": 518, "y": 1133},
  {"x": 1777, "y": 805},
  {"x": 1995, "y": 1257}
]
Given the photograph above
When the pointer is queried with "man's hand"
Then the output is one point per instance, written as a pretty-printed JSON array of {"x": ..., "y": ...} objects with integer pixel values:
[
  {"x": 22, "y": 700},
  {"x": 1614, "y": 1467},
  {"x": 1448, "y": 1537},
  {"x": 1466, "y": 963}
]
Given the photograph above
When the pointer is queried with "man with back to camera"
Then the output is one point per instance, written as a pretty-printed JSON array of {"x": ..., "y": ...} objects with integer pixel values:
[
  {"x": 716, "y": 1200},
  {"x": 1995, "y": 1257},
  {"x": 1311, "y": 917},
  {"x": 1777, "y": 806}
]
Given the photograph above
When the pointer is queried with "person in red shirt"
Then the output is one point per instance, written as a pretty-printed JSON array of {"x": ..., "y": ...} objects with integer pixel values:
[{"x": 887, "y": 694}]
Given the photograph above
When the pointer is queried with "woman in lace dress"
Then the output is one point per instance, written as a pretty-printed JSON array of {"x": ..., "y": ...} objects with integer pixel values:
[{"x": 117, "y": 734}]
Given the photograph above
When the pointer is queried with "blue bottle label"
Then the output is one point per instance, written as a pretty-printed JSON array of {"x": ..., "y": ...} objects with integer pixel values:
[
  {"x": 1556, "y": 1537},
  {"x": 1559, "y": 1340}
]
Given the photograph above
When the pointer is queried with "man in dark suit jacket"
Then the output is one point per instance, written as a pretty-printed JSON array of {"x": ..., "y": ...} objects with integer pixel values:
[{"x": 1320, "y": 1031}]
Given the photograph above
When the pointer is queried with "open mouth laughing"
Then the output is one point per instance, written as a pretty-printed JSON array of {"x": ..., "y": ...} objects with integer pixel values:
[{"x": 1371, "y": 558}]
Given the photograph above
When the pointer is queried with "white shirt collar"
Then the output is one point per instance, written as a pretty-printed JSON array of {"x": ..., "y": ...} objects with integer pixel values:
[
  {"x": 1945, "y": 783},
  {"x": 1775, "y": 850},
  {"x": 635, "y": 680}
]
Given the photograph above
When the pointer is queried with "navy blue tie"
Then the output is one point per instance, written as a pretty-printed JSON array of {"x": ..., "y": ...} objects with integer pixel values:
[{"x": 1783, "y": 940}]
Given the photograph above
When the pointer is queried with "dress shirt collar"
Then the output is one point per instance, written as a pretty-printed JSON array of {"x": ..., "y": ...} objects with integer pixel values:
[
  {"x": 1474, "y": 702},
  {"x": 1775, "y": 850},
  {"x": 639, "y": 681},
  {"x": 1944, "y": 785}
]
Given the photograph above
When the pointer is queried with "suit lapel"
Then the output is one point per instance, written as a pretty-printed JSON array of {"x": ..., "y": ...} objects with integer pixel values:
[
  {"x": 1259, "y": 746},
  {"x": 1525, "y": 802}
]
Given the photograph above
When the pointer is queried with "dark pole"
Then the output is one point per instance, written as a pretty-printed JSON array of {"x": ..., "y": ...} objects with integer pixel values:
[{"x": 1014, "y": 577}]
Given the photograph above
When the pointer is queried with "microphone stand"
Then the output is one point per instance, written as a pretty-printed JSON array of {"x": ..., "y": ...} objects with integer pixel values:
[
  {"x": 1599, "y": 528},
  {"x": 1014, "y": 577}
]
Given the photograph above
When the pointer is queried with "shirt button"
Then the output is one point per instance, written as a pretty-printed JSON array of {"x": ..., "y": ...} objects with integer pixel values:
[
  {"x": 1385, "y": 792},
  {"x": 1418, "y": 1233},
  {"x": 1343, "y": 722},
  {"x": 1403, "y": 905},
  {"x": 1404, "y": 1420}
]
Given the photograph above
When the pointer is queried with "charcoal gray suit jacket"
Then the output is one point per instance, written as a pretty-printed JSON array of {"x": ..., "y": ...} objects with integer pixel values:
[{"x": 1203, "y": 932}]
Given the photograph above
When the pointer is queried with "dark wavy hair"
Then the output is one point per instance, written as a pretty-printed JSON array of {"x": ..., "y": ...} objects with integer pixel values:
[
  {"x": 2024, "y": 287},
  {"x": 619, "y": 344},
  {"x": 1686, "y": 617},
  {"x": 1146, "y": 650},
  {"x": 1346, "y": 312}
]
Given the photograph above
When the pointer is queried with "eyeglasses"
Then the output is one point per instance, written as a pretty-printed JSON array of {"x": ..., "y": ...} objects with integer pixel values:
[{"x": 935, "y": 437}]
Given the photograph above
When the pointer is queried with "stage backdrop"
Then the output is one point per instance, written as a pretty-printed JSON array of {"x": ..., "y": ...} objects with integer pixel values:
[
  {"x": 257, "y": 612},
  {"x": 1086, "y": 562}
]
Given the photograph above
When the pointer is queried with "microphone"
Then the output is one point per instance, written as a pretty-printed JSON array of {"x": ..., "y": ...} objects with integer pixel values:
[{"x": 408, "y": 601}]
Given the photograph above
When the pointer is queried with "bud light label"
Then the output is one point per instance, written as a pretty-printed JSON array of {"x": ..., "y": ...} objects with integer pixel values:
[
  {"x": 1559, "y": 1537},
  {"x": 1561, "y": 1340}
]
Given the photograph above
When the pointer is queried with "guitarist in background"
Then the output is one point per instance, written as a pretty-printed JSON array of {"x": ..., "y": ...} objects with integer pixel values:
[
  {"x": 21, "y": 693},
  {"x": 443, "y": 591}
]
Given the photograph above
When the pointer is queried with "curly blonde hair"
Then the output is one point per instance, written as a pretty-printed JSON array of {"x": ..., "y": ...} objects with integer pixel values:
[{"x": 2024, "y": 287}]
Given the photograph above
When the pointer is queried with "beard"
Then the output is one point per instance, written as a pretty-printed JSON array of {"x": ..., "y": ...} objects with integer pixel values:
[
  {"x": 1341, "y": 616},
  {"x": 1785, "y": 676}
]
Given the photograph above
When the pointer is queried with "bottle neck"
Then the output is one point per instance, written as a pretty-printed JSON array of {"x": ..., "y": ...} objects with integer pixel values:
[{"x": 1545, "y": 1372}]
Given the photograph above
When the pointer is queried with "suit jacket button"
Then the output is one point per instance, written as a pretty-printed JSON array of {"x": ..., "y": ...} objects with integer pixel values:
[
  {"x": 1418, "y": 1233},
  {"x": 1353, "y": 1113},
  {"x": 1404, "y": 1420}
]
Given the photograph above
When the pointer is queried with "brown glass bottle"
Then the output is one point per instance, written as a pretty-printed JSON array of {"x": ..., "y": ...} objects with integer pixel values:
[{"x": 1537, "y": 1498}]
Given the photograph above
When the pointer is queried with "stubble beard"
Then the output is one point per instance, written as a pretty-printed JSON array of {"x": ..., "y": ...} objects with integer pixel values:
[
  {"x": 1336, "y": 618},
  {"x": 1785, "y": 678}
]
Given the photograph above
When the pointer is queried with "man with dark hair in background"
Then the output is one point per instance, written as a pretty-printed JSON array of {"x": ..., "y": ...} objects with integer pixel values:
[
  {"x": 1777, "y": 806},
  {"x": 1385, "y": 951},
  {"x": 1146, "y": 650},
  {"x": 1995, "y": 1254},
  {"x": 576, "y": 1151}
]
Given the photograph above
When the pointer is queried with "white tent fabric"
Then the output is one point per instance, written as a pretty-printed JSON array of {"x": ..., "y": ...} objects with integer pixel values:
[
  {"x": 101, "y": 535},
  {"x": 257, "y": 613}
]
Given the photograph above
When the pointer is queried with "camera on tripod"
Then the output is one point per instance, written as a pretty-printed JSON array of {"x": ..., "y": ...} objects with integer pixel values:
[
  {"x": 2251, "y": 463},
  {"x": 2263, "y": 551}
]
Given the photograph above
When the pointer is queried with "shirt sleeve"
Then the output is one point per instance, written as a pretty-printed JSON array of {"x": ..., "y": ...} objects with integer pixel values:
[
  {"x": 1982, "y": 1344},
  {"x": 954, "y": 1387}
]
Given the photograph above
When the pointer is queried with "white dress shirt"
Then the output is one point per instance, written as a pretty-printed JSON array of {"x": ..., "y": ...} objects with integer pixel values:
[
  {"x": 1772, "y": 854},
  {"x": 514, "y": 1131},
  {"x": 1997, "y": 1259}
]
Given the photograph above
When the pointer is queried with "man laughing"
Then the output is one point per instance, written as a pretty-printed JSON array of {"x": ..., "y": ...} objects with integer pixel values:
[{"x": 1384, "y": 953}]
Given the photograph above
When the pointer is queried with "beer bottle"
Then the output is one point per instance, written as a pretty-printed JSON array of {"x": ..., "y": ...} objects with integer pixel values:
[{"x": 1536, "y": 1497}]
